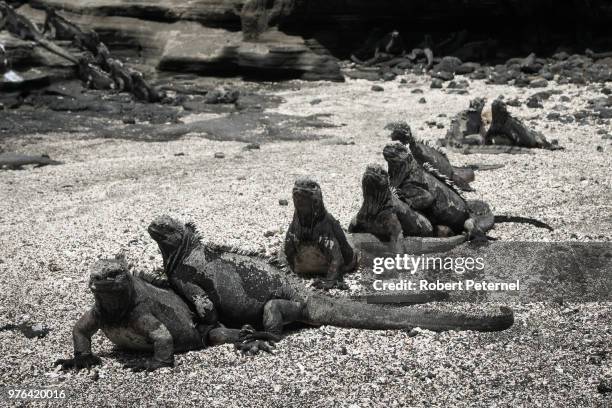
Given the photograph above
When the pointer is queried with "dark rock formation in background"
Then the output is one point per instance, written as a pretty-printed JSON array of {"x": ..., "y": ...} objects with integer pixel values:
[{"x": 303, "y": 38}]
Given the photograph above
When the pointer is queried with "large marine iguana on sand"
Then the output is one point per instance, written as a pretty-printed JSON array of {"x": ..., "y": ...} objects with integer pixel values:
[
  {"x": 384, "y": 215},
  {"x": 62, "y": 29},
  {"x": 467, "y": 133},
  {"x": 508, "y": 130},
  {"x": 137, "y": 315},
  {"x": 23, "y": 28},
  {"x": 235, "y": 289},
  {"x": 439, "y": 201},
  {"x": 315, "y": 243}
]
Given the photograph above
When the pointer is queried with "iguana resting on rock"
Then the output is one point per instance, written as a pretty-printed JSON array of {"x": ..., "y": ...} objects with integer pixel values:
[
  {"x": 137, "y": 315},
  {"x": 439, "y": 201},
  {"x": 142, "y": 90},
  {"x": 62, "y": 29},
  {"x": 23, "y": 28},
  {"x": 235, "y": 290},
  {"x": 389, "y": 46},
  {"x": 383, "y": 214},
  {"x": 315, "y": 243},
  {"x": 93, "y": 76},
  {"x": 103, "y": 57},
  {"x": 509, "y": 131},
  {"x": 121, "y": 75},
  {"x": 15, "y": 161}
]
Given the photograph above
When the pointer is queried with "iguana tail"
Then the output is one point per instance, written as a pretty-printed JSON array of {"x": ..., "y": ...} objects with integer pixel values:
[
  {"x": 482, "y": 167},
  {"x": 523, "y": 220},
  {"x": 493, "y": 149},
  {"x": 345, "y": 313}
]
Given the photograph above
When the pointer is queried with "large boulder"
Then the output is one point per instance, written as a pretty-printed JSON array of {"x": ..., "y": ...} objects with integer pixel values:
[{"x": 219, "y": 52}]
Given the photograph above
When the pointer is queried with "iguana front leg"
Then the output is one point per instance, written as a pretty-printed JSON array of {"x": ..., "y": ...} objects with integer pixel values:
[
  {"x": 246, "y": 339},
  {"x": 417, "y": 197},
  {"x": 82, "y": 332},
  {"x": 331, "y": 250},
  {"x": 163, "y": 345},
  {"x": 197, "y": 297}
]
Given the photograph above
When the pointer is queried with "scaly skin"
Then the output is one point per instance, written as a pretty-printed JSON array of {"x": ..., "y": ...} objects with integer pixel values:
[
  {"x": 121, "y": 75},
  {"x": 423, "y": 191},
  {"x": 384, "y": 215},
  {"x": 510, "y": 131},
  {"x": 142, "y": 90},
  {"x": 23, "y": 28},
  {"x": 93, "y": 76},
  {"x": 136, "y": 315},
  {"x": 235, "y": 289},
  {"x": 315, "y": 243},
  {"x": 423, "y": 153}
]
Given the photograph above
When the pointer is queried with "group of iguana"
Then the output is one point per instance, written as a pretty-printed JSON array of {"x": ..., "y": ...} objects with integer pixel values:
[
  {"x": 506, "y": 134},
  {"x": 101, "y": 72},
  {"x": 220, "y": 295}
]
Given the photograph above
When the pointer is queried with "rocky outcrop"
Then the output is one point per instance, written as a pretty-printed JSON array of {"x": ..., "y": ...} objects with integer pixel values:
[
  {"x": 274, "y": 55},
  {"x": 188, "y": 46}
]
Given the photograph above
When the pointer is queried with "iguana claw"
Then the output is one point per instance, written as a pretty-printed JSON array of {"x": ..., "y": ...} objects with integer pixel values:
[
  {"x": 251, "y": 342},
  {"x": 79, "y": 362}
]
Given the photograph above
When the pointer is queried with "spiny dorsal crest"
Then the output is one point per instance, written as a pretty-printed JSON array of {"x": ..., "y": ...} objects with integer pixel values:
[
  {"x": 220, "y": 249},
  {"x": 436, "y": 173}
]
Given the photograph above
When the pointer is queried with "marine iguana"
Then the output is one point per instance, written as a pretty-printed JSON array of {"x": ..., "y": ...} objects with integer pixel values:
[
  {"x": 15, "y": 161},
  {"x": 142, "y": 90},
  {"x": 439, "y": 201},
  {"x": 383, "y": 214},
  {"x": 121, "y": 75},
  {"x": 506, "y": 134},
  {"x": 23, "y": 28},
  {"x": 93, "y": 76},
  {"x": 424, "y": 153},
  {"x": 315, "y": 243},
  {"x": 389, "y": 46},
  {"x": 103, "y": 57},
  {"x": 137, "y": 315},
  {"x": 507, "y": 130},
  {"x": 236, "y": 289},
  {"x": 423, "y": 191},
  {"x": 62, "y": 29}
]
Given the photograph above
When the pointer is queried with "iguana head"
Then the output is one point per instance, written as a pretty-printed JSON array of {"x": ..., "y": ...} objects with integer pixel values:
[
  {"x": 375, "y": 187},
  {"x": 174, "y": 238},
  {"x": 477, "y": 104},
  {"x": 499, "y": 111},
  {"x": 112, "y": 286},
  {"x": 308, "y": 201},
  {"x": 109, "y": 275},
  {"x": 399, "y": 161},
  {"x": 400, "y": 132}
]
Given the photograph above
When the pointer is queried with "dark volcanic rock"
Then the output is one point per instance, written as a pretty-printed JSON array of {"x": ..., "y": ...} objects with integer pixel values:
[
  {"x": 377, "y": 88},
  {"x": 538, "y": 83},
  {"x": 447, "y": 64},
  {"x": 443, "y": 75},
  {"x": 534, "y": 102},
  {"x": 436, "y": 83}
]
